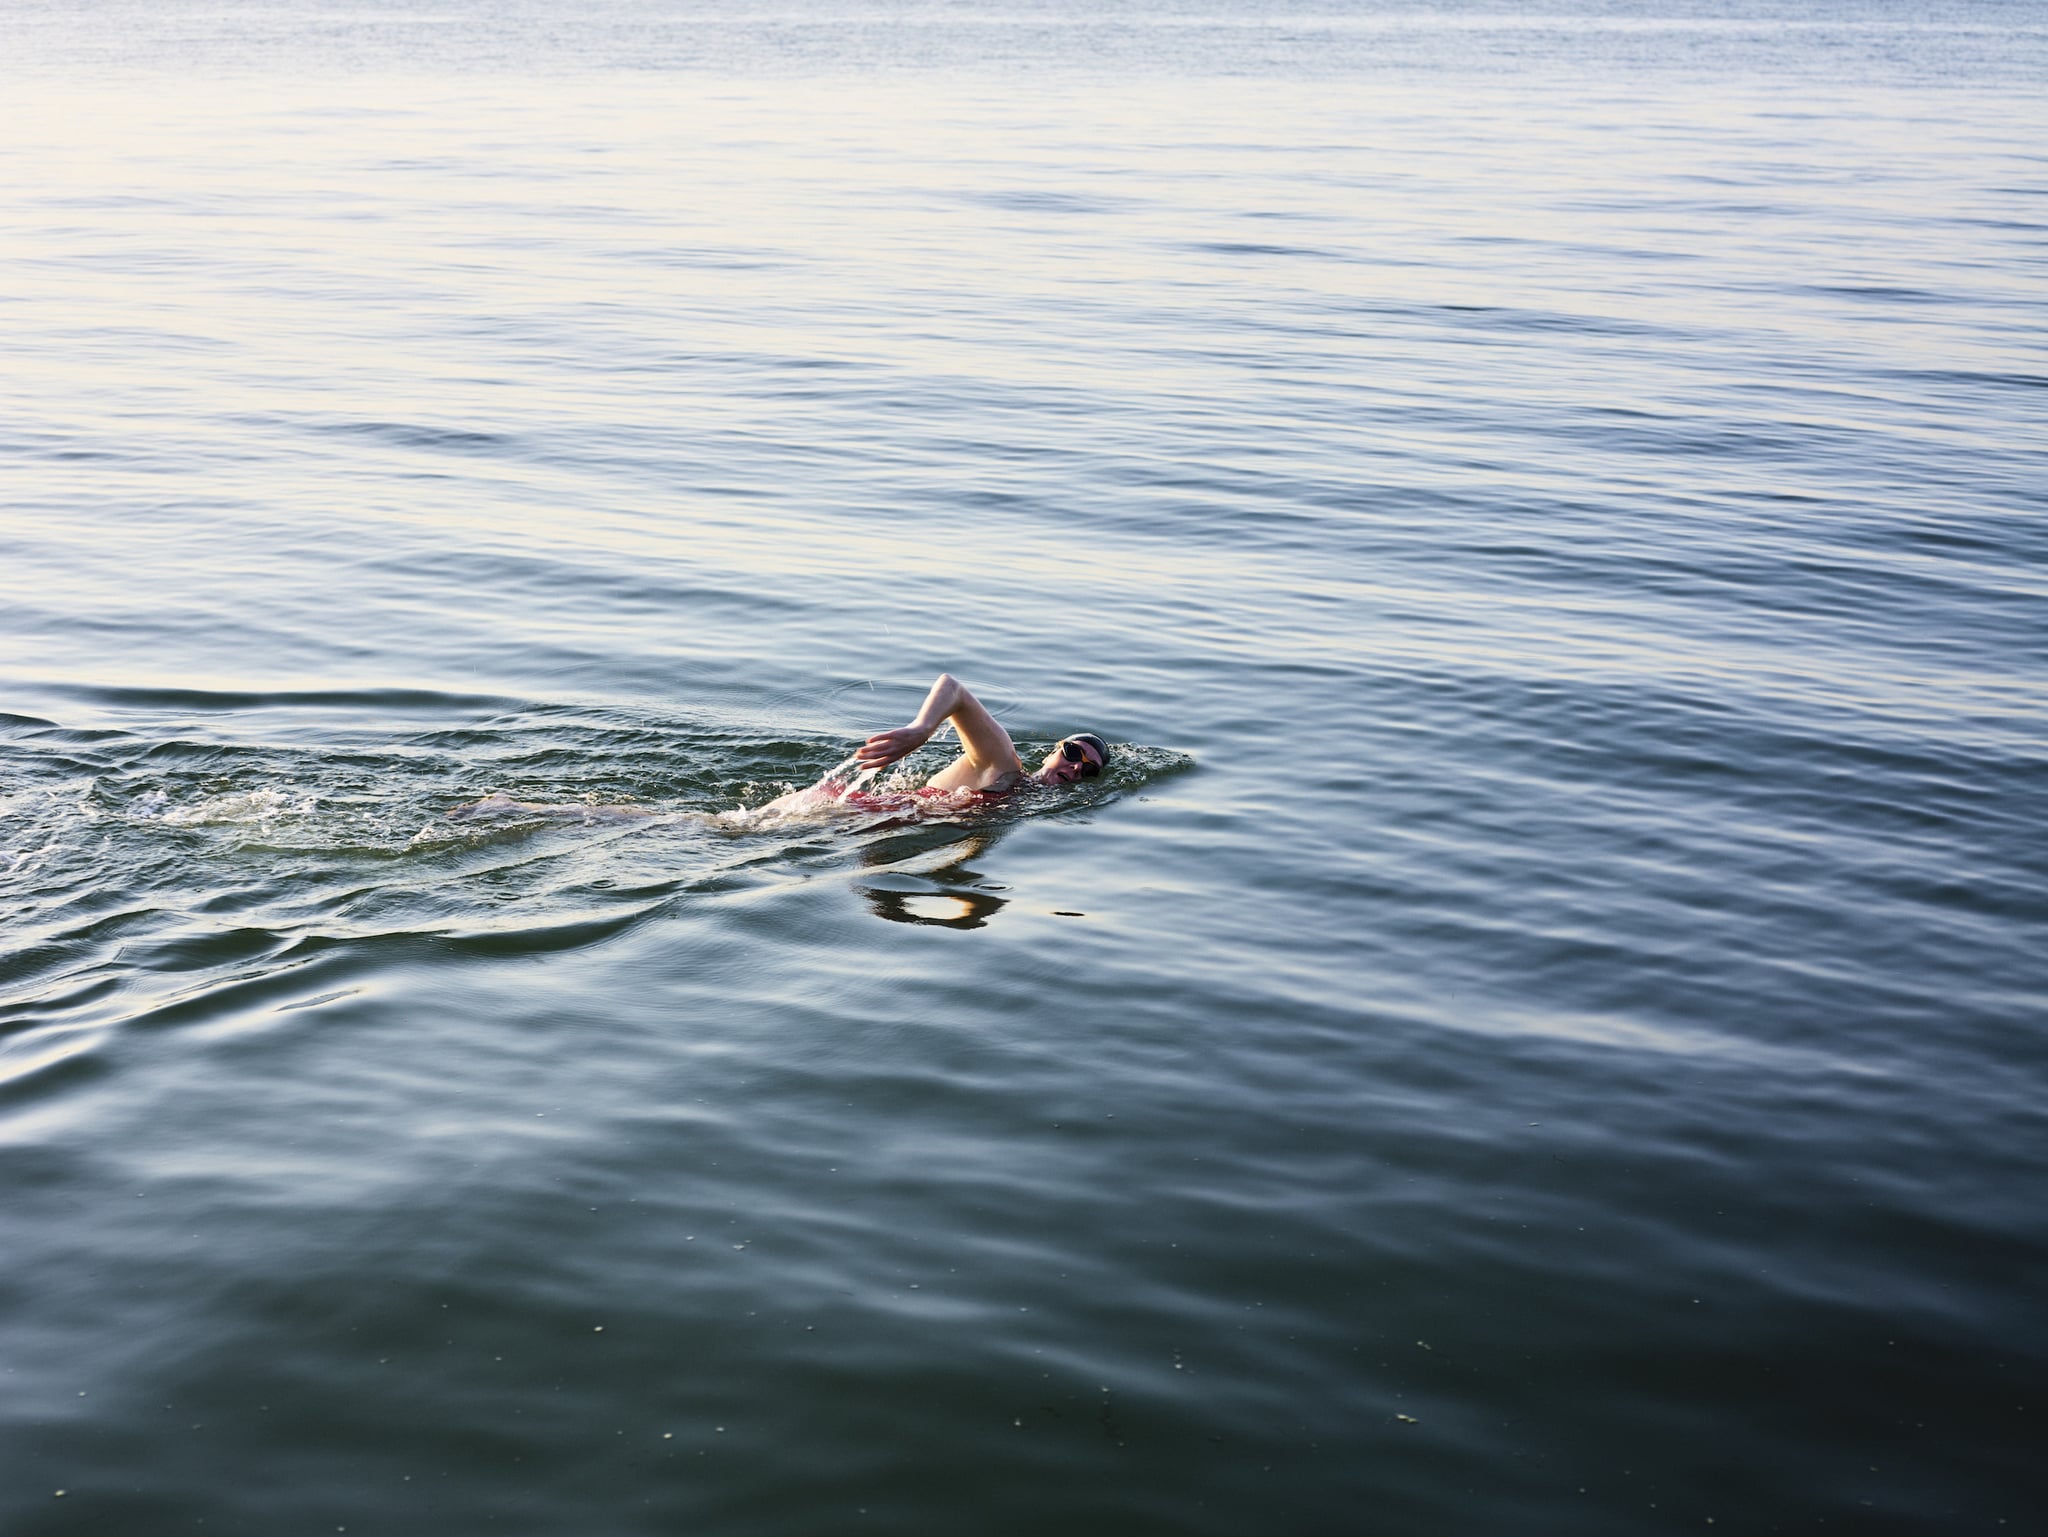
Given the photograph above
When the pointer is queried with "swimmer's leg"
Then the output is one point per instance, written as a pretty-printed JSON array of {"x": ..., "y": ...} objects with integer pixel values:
[
  {"x": 493, "y": 807},
  {"x": 500, "y": 807}
]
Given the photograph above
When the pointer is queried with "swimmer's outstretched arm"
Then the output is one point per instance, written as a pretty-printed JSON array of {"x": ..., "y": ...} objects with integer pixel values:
[{"x": 989, "y": 760}]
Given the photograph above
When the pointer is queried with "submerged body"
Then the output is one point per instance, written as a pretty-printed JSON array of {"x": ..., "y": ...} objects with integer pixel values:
[{"x": 499, "y": 807}]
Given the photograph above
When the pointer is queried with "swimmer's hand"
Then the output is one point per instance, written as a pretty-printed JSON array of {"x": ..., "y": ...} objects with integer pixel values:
[{"x": 886, "y": 747}]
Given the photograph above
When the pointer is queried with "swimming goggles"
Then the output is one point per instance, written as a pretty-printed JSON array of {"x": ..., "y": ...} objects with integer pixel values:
[{"x": 1073, "y": 752}]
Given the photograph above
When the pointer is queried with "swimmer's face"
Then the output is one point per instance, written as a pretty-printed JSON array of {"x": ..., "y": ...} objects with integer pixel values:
[{"x": 1070, "y": 760}]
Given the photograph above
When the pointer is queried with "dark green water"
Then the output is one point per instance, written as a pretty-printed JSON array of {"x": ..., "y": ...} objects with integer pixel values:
[{"x": 1542, "y": 1030}]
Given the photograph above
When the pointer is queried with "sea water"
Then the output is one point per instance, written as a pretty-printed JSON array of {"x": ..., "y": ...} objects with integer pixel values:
[{"x": 1540, "y": 1031}]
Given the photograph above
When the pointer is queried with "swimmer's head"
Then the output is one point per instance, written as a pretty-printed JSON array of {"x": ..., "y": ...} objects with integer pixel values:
[{"x": 1080, "y": 756}]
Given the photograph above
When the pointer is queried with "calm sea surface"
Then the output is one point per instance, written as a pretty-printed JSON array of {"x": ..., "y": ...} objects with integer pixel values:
[{"x": 1542, "y": 1031}]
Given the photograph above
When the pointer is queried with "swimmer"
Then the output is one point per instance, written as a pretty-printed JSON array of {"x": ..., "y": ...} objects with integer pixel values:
[
  {"x": 988, "y": 762},
  {"x": 987, "y": 766}
]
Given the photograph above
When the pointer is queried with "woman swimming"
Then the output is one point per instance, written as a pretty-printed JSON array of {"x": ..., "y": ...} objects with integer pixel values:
[
  {"x": 988, "y": 765},
  {"x": 988, "y": 761}
]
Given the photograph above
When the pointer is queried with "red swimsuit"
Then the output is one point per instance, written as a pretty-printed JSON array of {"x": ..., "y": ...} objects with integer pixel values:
[{"x": 918, "y": 800}]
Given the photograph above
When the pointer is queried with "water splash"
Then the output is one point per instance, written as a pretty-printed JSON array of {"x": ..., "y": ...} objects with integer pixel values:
[{"x": 261, "y": 807}]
